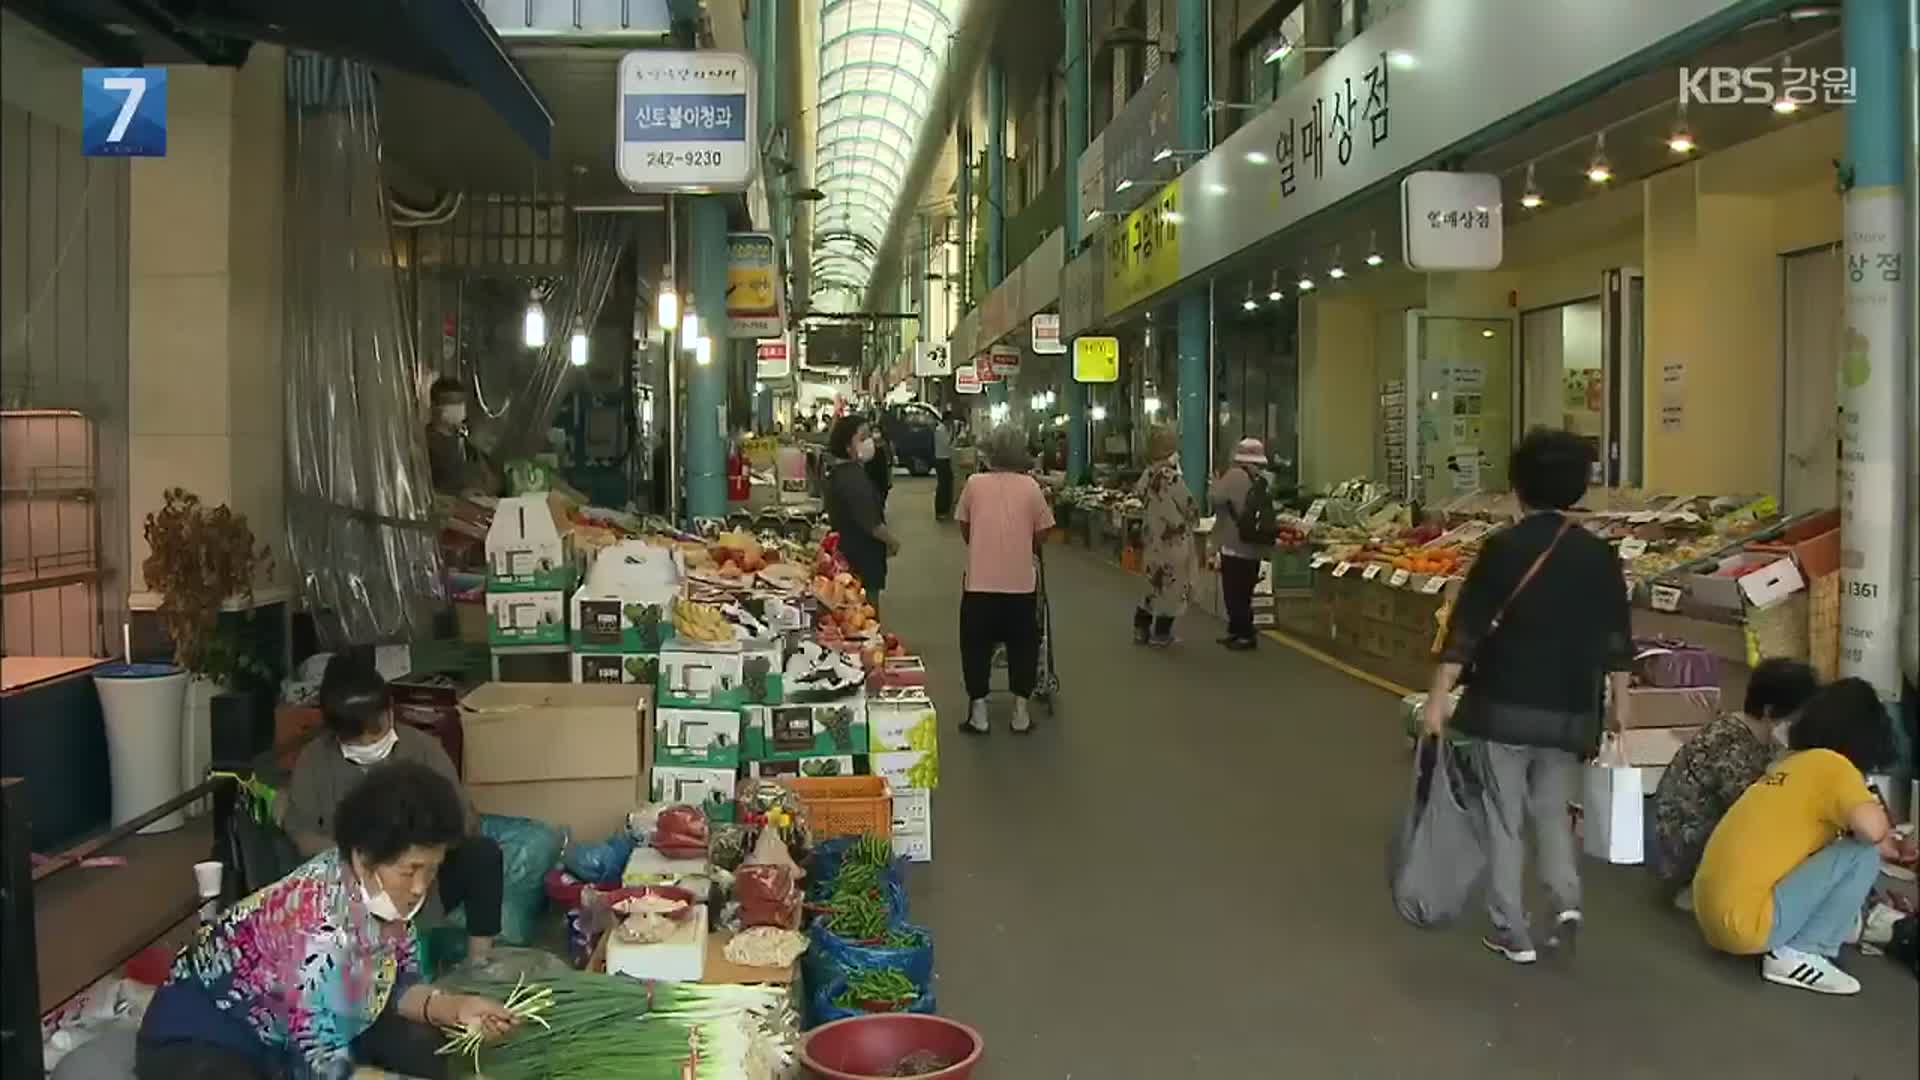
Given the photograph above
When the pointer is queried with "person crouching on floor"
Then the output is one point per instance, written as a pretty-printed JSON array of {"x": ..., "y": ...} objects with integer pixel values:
[
  {"x": 360, "y": 734},
  {"x": 1717, "y": 766},
  {"x": 1789, "y": 867}
]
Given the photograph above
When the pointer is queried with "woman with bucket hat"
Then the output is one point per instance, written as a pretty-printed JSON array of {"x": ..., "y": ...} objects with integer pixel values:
[{"x": 1243, "y": 504}]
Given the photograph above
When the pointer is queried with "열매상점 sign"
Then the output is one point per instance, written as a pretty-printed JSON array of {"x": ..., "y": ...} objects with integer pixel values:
[
  {"x": 1096, "y": 359},
  {"x": 753, "y": 287},
  {"x": 685, "y": 121},
  {"x": 123, "y": 112}
]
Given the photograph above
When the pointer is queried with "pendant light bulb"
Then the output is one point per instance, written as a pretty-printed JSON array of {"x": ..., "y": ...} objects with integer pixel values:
[
  {"x": 667, "y": 313},
  {"x": 533, "y": 330},
  {"x": 577, "y": 344},
  {"x": 1374, "y": 258},
  {"x": 1599, "y": 170},
  {"x": 1783, "y": 104},
  {"x": 1249, "y": 303},
  {"x": 689, "y": 329},
  {"x": 1530, "y": 197}
]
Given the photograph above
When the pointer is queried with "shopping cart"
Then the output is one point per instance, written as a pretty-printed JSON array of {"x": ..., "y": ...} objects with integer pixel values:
[{"x": 1046, "y": 685}]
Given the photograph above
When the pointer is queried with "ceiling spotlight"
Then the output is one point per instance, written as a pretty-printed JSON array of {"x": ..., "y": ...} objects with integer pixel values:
[
  {"x": 1783, "y": 104},
  {"x": 1273, "y": 291},
  {"x": 1531, "y": 198},
  {"x": 1305, "y": 283},
  {"x": 1336, "y": 272},
  {"x": 1123, "y": 185},
  {"x": 1255, "y": 157},
  {"x": 1374, "y": 258},
  {"x": 1093, "y": 215},
  {"x": 1162, "y": 154},
  {"x": 1280, "y": 51},
  {"x": 1249, "y": 303},
  {"x": 1681, "y": 139},
  {"x": 1486, "y": 331},
  {"x": 1599, "y": 170},
  {"x": 1401, "y": 59}
]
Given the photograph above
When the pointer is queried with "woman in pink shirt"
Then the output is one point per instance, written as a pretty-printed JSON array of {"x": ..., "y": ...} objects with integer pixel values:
[{"x": 1003, "y": 515}]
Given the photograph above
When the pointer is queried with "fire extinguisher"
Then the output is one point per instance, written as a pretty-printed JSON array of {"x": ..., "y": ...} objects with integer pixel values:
[{"x": 737, "y": 484}]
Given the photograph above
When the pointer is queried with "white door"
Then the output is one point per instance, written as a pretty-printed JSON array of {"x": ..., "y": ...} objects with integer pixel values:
[
  {"x": 1460, "y": 393},
  {"x": 1813, "y": 322}
]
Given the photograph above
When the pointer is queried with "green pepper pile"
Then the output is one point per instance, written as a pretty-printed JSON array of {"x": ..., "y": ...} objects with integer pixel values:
[{"x": 877, "y": 986}]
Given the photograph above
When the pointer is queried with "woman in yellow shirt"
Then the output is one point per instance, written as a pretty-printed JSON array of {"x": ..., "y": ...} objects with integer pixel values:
[{"x": 1788, "y": 868}]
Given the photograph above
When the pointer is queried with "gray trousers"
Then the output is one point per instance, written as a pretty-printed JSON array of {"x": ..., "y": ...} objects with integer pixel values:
[{"x": 1518, "y": 782}]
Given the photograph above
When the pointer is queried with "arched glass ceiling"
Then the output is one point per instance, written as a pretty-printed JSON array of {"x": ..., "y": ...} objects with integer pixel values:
[{"x": 879, "y": 63}]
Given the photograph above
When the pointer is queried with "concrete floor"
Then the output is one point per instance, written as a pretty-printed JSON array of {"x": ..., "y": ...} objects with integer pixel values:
[{"x": 1184, "y": 875}]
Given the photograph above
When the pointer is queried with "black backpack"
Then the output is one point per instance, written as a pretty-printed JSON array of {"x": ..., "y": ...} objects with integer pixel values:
[{"x": 1258, "y": 522}]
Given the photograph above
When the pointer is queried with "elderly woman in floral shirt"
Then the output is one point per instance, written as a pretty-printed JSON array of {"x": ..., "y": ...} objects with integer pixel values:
[
  {"x": 1717, "y": 765},
  {"x": 1167, "y": 559},
  {"x": 317, "y": 973}
]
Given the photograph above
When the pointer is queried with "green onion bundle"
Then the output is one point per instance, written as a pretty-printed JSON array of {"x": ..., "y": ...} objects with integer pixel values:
[{"x": 611, "y": 1025}]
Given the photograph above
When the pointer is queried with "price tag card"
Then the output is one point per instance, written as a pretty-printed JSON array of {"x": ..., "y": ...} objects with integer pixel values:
[
  {"x": 1342, "y": 569},
  {"x": 1372, "y": 571},
  {"x": 1632, "y": 547},
  {"x": 1313, "y": 512},
  {"x": 1434, "y": 585},
  {"x": 1665, "y": 598},
  {"x": 1400, "y": 578},
  {"x": 1319, "y": 561}
]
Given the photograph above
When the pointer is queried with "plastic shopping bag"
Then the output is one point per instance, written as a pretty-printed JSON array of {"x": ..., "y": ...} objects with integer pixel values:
[
  {"x": 1436, "y": 859},
  {"x": 1613, "y": 807}
]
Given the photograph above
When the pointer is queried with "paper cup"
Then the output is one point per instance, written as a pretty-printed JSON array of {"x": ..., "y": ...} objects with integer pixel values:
[{"x": 208, "y": 876}]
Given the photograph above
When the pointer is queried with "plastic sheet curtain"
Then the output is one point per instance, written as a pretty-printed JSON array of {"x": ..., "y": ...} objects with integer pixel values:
[
  {"x": 519, "y": 427},
  {"x": 359, "y": 500}
]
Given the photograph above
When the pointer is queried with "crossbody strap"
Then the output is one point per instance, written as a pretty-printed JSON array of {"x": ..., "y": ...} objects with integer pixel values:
[{"x": 1527, "y": 578}]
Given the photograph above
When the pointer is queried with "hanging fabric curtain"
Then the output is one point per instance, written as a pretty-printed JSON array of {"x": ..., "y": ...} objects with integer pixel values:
[
  {"x": 359, "y": 502},
  {"x": 518, "y": 426}
]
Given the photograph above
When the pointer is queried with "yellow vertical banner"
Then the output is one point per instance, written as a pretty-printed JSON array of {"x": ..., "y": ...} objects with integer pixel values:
[{"x": 1143, "y": 251}]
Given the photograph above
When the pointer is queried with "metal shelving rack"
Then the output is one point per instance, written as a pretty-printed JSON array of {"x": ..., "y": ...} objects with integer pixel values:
[{"x": 49, "y": 534}]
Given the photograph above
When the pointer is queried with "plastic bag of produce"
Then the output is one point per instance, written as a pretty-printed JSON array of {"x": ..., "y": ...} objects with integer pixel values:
[
  {"x": 1436, "y": 858},
  {"x": 824, "y": 1009},
  {"x": 767, "y": 896},
  {"x": 600, "y": 863},
  {"x": 904, "y": 947},
  {"x": 823, "y": 868},
  {"x": 680, "y": 832},
  {"x": 1674, "y": 664},
  {"x": 528, "y": 849}
]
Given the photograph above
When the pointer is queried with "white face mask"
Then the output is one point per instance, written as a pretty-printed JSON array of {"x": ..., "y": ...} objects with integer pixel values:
[
  {"x": 863, "y": 450},
  {"x": 372, "y": 753},
  {"x": 453, "y": 415},
  {"x": 381, "y": 906}
]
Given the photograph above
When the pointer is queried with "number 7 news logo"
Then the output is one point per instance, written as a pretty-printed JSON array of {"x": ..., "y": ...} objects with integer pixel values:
[{"x": 123, "y": 112}]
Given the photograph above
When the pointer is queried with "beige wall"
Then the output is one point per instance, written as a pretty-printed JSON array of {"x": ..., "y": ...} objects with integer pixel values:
[{"x": 205, "y": 273}]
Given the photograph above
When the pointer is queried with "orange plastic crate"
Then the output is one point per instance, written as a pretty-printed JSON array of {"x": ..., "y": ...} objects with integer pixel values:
[{"x": 845, "y": 805}]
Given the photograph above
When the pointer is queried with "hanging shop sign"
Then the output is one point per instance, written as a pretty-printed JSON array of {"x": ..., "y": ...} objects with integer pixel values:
[
  {"x": 1143, "y": 253},
  {"x": 773, "y": 359},
  {"x": 966, "y": 380},
  {"x": 686, "y": 121},
  {"x": 931, "y": 359},
  {"x": 1045, "y": 332},
  {"x": 753, "y": 287},
  {"x": 1004, "y": 360},
  {"x": 1396, "y": 96},
  {"x": 1096, "y": 359},
  {"x": 1450, "y": 221},
  {"x": 984, "y": 370}
]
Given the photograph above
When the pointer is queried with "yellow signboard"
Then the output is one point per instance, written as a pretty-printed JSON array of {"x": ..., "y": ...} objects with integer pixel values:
[
  {"x": 1143, "y": 251},
  {"x": 1096, "y": 359}
]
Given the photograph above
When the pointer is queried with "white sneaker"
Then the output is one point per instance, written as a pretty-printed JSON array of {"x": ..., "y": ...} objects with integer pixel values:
[
  {"x": 976, "y": 721},
  {"x": 1683, "y": 900},
  {"x": 1791, "y": 967},
  {"x": 1022, "y": 722}
]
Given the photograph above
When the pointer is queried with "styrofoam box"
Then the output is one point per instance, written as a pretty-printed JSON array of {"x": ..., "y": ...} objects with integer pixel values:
[
  {"x": 912, "y": 809},
  {"x": 1654, "y": 746},
  {"x": 680, "y": 958},
  {"x": 914, "y": 845}
]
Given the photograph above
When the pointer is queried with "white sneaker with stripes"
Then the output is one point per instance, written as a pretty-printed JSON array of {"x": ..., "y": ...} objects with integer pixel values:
[{"x": 1791, "y": 967}]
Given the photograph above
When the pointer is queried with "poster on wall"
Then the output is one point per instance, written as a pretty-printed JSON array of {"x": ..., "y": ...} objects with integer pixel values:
[
  {"x": 753, "y": 287},
  {"x": 1673, "y": 396},
  {"x": 1873, "y": 393}
]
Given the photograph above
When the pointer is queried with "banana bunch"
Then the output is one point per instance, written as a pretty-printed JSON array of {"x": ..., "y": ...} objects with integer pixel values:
[{"x": 700, "y": 622}]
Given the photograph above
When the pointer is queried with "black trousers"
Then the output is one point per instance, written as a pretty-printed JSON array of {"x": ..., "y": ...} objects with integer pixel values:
[
  {"x": 393, "y": 1043},
  {"x": 473, "y": 878},
  {"x": 989, "y": 619},
  {"x": 1238, "y": 576},
  {"x": 942, "y": 488}
]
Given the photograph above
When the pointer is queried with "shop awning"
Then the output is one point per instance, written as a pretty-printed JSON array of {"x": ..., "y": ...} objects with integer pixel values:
[{"x": 446, "y": 40}]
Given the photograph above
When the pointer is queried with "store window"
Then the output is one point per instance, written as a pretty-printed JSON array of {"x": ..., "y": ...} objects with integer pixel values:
[{"x": 1256, "y": 385}]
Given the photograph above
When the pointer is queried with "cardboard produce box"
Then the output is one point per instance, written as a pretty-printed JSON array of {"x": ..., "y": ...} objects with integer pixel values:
[
  {"x": 638, "y": 668},
  {"x": 570, "y": 755},
  {"x": 613, "y": 624},
  {"x": 712, "y": 790},
  {"x": 527, "y": 618},
  {"x": 1654, "y": 746},
  {"x": 908, "y": 769},
  {"x": 818, "y": 765},
  {"x": 697, "y": 675},
  {"x": 706, "y": 738},
  {"x": 530, "y": 545},
  {"x": 792, "y": 732},
  {"x": 1654, "y": 707},
  {"x": 901, "y": 719}
]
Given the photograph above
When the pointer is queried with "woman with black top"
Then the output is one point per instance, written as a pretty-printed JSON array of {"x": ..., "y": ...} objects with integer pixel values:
[
  {"x": 854, "y": 509},
  {"x": 1538, "y": 629}
]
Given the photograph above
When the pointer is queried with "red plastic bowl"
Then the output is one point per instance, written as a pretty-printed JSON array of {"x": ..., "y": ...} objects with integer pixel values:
[{"x": 865, "y": 1047}]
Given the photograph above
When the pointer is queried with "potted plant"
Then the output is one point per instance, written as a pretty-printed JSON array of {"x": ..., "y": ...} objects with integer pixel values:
[{"x": 199, "y": 559}]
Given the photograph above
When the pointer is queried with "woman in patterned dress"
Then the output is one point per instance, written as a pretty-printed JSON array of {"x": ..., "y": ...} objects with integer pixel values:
[
  {"x": 1167, "y": 561},
  {"x": 317, "y": 973}
]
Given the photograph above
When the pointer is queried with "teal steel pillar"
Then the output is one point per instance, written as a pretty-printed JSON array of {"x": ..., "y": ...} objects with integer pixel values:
[
  {"x": 1195, "y": 332},
  {"x": 707, "y": 383},
  {"x": 1878, "y": 362},
  {"x": 1074, "y": 18},
  {"x": 996, "y": 195}
]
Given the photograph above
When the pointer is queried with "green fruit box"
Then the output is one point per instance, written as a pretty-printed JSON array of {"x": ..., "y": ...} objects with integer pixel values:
[
  {"x": 820, "y": 766},
  {"x": 592, "y": 667},
  {"x": 710, "y": 789},
  {"x": 526, "y": 618},
  {"x": 701, "y": 738},
  {"x": 794, "y": 732},
  {"x": 719, "y": 678},
  {"x": 611, "y": 624}
]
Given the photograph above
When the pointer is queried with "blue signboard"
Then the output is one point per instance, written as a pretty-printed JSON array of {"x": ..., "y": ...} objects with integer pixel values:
[
  {"x": 123, "y": 112},
  {"x": 685, "y": 117}
]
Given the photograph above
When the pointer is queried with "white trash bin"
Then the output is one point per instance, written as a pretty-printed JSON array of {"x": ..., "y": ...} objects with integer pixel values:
[{"x": 144, "y": 705}]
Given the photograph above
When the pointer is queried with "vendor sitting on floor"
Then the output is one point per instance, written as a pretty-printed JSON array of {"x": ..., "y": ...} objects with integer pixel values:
[
  {"x": 317, "y": 973},
  {"x": 1788, "y": 869},
  {"x": 360, "y": 733},
  {"x": 1717, "y": 765}
]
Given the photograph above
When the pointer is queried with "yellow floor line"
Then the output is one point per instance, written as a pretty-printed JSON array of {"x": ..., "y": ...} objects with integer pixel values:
[
  {"x": 1338, "y": 664},
  {"x": 1307, "y": 650}
]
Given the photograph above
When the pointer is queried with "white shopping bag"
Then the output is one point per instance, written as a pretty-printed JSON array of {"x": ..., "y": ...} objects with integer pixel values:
[{"x": 1614, "y": 807}]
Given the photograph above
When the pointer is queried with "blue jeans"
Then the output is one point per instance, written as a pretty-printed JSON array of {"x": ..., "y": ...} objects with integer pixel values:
[{"x": 1815, "y": 905}]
